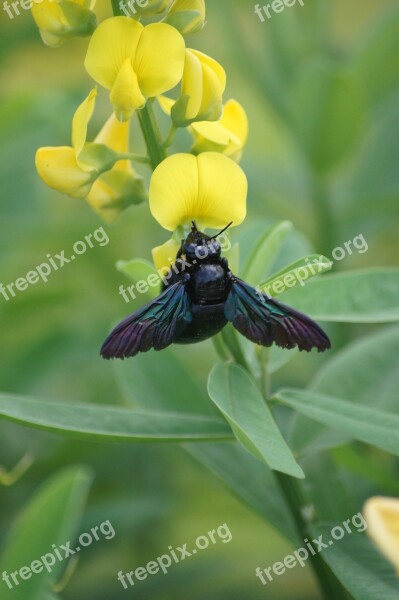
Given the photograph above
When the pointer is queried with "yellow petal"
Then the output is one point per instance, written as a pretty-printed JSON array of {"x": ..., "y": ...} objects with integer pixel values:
[
  {"x": 235, "y": 119},
  {"x": 114, "y": 41},
  {"x": 215, "y": 67},
  {"x": 213, "y": 131},
  {"x": 192, "y": 84},
  {"x": 81, "y": 120},
  {"x": 49, "y": 16},
  {"x": 166, "y": 104},
  {"x": 59, "y": 170},
  {"x": 115, "y": 135},
  {"x": 382, "y": 517},
  {"x": 210, "y": 189},
  {"x": 159, "y": 59},
  {"x": 165, "y": 255},
  {"x": 125, "y": 95}
]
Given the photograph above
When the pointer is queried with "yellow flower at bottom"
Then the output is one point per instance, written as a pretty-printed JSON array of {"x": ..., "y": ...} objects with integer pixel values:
[
  {"x": 228, "y": 135},
  {"x": 382, "y": 517},
  {"x": 210, "y": 189},
  {"x": 59, "y": 20},
  {"x": 165, "y": 255}
]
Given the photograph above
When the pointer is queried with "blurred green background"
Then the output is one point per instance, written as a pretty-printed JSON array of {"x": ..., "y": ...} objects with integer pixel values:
[{"x": 302, "y": 76}]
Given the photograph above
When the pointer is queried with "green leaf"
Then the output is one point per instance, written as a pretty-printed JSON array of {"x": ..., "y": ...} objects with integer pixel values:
[
  {"x": 297, "y": 273},
  {"x": 108, "y": 423},
  {"x": 367, "y": 296},
  {"x": 154, "y": 384},
  {"x": 236, "y": 395},
  {"x": 358, "y": 566},
  {"x": 51, "y": 517},
  {"x": 263, "y": 255},
  {"x": 365, "y": 424},
  {"x": 376, "y": 57},
  {"x": 328, "y": 111},
  {"x": 141, "y": 270},
  {"x": 366, "y": 372},
  {"x": 249, "y": 480}
]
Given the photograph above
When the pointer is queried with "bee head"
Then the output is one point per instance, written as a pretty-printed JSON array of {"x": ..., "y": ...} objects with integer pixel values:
[{"x": 198, "y": 245}]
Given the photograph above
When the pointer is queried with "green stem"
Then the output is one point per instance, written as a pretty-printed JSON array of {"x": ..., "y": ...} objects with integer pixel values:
[
  {"x": 170, "y": 137},
  {"x": 293, "y": 493},
  {"x": 116, "y": 8},
  {"x": 152, "y": 135}
]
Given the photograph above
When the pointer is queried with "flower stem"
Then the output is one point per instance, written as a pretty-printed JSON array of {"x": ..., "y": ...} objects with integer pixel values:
[{"x": 152, "y": 135}]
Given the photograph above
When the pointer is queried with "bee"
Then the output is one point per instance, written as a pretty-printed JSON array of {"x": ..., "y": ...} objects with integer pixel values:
[{"x": 199, "y": 297}]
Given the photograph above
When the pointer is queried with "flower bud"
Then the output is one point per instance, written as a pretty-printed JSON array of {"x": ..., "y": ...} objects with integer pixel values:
[
  {"x": 188, "y": 16},
  {"x": 60, "y": 20}
]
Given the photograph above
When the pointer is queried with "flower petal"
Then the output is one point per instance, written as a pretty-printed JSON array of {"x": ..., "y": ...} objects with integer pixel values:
[
  {"x": 59, "y": 170},
  {"x": 192, "y": 84},
  {"x": 165, "y": 255},
  {"x": 125, "y": 95},
  {"x": 159, "y": 59},
  {"x": 235, "y": 119},
  {"x": 382, "y": 517},
  {"x": 114, "y": 40},
  {"x": 115, "y": 135},
  {"x": 210, "y": 189},
  {"x": 81, "y": 120}
]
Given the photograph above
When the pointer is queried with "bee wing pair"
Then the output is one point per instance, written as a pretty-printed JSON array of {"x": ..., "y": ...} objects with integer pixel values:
[{"x": 259, "y": 318}]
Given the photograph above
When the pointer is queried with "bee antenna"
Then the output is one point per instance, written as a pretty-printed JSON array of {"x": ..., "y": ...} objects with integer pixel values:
[
  {"x": 220, "y": 232},
  {"x": 194, "y": 226}
]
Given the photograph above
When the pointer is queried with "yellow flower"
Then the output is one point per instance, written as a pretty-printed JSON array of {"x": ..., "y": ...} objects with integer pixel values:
[
  {"x": 228, "y": 135},
  {"x": 210, "y": 189},
  {"x": 134, "y": 62},
  {"x": 203, "y": 84},
  {"x": 165, "y": 255},
  {"x": 60, "y": 20},
  {"x": 73, "y": 169},
  {"x": 120, "y": 187},
  {"x": 382, "y": 517},
  {"x": 188, "y": 16}
]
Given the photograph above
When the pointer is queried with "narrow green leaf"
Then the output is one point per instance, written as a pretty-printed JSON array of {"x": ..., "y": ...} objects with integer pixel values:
[
  {"x": 358, "y": 566},
  {"x": 297, "y": 273},
  {"x": 51, "y": 517},
  {"x": 249, "y": 480},
  {"x": 109, "y": 423},
  {"x": 140, "y": 270},
  {"x": 367, "y": 296},
  {"x": 236, "y": 395},
  {"x": 366, "y": 372},
  {"x": 368, "y": 425},
  {"x": 263, "y": 255}
]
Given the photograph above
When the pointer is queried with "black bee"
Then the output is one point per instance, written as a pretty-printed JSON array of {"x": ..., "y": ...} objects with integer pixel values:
[{"x": 199, "y": 297}]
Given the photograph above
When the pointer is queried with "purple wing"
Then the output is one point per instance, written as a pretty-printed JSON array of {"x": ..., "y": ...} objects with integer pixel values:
[
  {"x": 152, "y": 326},
  {"x": 264, "y": 320}
]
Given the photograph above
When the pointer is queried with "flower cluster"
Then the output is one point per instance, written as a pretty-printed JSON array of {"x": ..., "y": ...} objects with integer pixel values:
[{"x": 139, "y": 62}]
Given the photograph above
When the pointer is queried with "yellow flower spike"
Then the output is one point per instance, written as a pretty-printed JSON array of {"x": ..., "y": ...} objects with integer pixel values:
[
  {"x": 120, "y": 187},
  {"x": 165, "y": 255},
  {"x": 228, "y": 135},
  {"x": 188, "y": 16},
  {"x": 72, "y": 170},
  {"x": 60, "y": 20},
  {"x": 210, "y": 189},
  {"x": 134, "y": 62},
  {"x": 382, "y": 517},
  {"x": 203, "y": 84}
]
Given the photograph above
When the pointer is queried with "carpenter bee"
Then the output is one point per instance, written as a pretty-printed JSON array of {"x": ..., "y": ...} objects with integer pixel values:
[{"x": 199, "y": 297}]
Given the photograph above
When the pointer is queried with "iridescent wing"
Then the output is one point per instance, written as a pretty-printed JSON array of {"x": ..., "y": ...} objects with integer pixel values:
[
  {"x": 263, "y": 320},
  {"x": 152, "y": 326}
]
